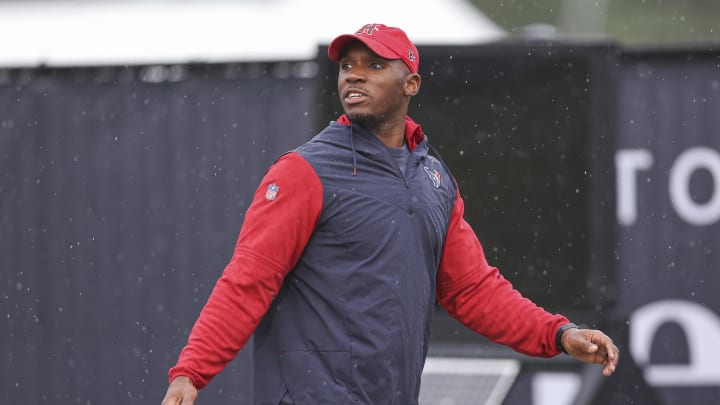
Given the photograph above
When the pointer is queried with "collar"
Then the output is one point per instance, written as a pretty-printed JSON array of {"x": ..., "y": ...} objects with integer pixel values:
[{"x": 413, "y": 131}]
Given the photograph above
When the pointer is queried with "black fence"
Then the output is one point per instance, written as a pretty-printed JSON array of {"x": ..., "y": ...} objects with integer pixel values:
[{"x": 121, "y": 196}]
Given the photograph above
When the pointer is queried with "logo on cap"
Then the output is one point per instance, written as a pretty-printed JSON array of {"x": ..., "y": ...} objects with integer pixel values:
[
  {"x": 368, "y": 29},
  {"x": 411, "y": 55}
]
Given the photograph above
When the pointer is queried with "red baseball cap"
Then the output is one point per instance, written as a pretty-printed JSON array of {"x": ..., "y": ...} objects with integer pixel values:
[{"x": 387, "y": 42}]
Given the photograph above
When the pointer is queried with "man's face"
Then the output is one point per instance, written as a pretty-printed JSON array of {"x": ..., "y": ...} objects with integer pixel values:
[{"x": 372, "y": 90}]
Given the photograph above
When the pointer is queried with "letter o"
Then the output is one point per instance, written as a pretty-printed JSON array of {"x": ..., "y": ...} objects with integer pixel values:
[{"x": 689, "y": 161}]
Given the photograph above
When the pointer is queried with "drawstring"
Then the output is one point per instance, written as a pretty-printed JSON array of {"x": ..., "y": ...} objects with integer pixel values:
[
  {"x": 413, "y": 141},
  {"x": 352, "y": 146}
]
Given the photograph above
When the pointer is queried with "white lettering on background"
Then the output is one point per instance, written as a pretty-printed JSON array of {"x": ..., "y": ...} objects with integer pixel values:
[{"x": 702, "y": 329}]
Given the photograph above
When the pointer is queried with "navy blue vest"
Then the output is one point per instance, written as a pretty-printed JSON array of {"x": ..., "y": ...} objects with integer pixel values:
[{"x": 351, "y": 322}]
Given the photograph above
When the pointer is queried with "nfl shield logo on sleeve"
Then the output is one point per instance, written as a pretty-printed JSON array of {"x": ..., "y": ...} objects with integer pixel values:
[{"x": 272, "y": 192}]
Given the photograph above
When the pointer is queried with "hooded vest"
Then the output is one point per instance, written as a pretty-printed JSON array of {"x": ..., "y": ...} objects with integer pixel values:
[{"x": 351, "y": 323}]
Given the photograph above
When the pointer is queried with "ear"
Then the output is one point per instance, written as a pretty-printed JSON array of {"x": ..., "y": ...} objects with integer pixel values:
[{"x": 412, "y": 84}]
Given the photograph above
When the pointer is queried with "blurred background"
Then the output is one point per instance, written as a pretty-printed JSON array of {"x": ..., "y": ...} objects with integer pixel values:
[
  {"x": 583, "y": 134},
  {"x": 631, "y": 22}
]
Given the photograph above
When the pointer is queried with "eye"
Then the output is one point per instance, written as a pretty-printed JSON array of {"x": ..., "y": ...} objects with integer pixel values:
[{"x": 377, "y": 65}]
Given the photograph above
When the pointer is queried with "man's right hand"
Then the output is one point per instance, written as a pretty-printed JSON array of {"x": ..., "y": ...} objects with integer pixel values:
[{"x": 180, "y": 391}]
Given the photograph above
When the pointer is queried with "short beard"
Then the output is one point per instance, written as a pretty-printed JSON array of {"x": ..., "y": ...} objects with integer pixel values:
[{"x": 369, "y": 121}]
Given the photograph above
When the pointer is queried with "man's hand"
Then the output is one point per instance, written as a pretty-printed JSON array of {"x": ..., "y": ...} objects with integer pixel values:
[
  {"x": 591, "y": 346},
  {"x": 180, "y": 391}
]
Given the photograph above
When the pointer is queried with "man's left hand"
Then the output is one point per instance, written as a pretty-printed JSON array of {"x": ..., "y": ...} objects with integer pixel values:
[{"x": 592, "y": 346}]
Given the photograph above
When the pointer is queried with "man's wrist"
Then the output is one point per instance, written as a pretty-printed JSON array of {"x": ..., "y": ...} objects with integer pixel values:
[
  {"x": 559, "y": 333},
  {"x": 184, "y": 379}
]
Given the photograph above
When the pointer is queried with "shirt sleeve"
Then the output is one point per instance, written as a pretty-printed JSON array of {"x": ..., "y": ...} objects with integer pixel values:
[
  {"x": 477, "y": 295},
  {"x": 277, "y": 226}
]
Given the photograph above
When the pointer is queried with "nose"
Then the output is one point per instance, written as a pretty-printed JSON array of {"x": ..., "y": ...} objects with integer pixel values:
[{"x": 354, "y": 75}]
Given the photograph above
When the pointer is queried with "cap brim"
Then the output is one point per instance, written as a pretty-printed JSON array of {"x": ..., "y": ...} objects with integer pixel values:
[{"x": 338, "y": 45}]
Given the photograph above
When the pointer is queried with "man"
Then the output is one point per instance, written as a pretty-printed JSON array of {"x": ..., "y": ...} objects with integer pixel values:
[{"x": 349, "y": 240}]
